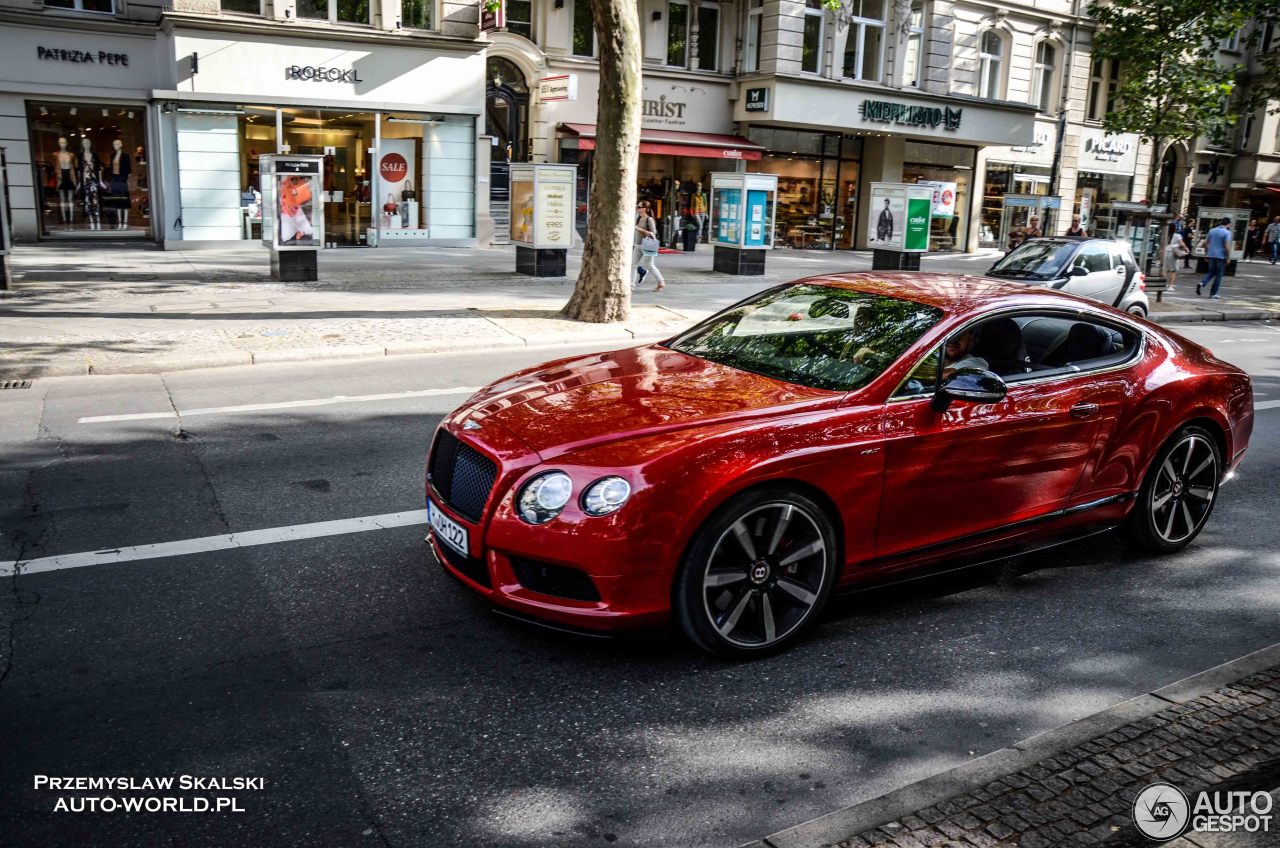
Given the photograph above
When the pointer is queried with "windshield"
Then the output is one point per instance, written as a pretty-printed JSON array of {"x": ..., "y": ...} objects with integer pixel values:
[
  {"x": 1041, "y": 259},
  {"x": 817, "y": 336}
]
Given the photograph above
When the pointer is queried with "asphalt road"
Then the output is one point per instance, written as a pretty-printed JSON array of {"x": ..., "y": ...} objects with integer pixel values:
[{"x": 383, "y": 706}]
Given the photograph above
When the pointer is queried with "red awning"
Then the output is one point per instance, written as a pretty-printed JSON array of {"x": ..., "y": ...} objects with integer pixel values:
[{"x": 672, "y": 143}]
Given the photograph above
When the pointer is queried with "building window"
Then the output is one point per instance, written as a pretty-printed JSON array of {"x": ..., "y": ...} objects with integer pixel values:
[
  {"x": 584, "y": 29},
  {"x": 335, "y": 11},
  {"x": 1231, "y": 43},
  {"x": 708, "y": 37},
  {"x": 520, "y": 18},
  {"x": 811, "y": 47},
  {"x": 864, "y": 49},
  {"x": 678, "y": 34},
  {"x": 1246, "y": 132},
  {"x": 1042, "y": 89},
  {"x": 1104, "y": 79},
  {"x": 991, "y": 65},
  {"x": 912, "y": 60},
  {"x": 417, "y": 14},
  {"x": 106, "y": 7},
  {"x": 242, "y": 7},
  {"x": 755, "y": 23}
]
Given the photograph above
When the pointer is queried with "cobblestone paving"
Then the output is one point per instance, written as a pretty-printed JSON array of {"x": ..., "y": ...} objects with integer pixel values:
[{"x": 1084, "y": 795}]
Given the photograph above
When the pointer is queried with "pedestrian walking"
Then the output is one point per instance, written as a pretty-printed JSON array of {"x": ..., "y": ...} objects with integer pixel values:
[
  {"x": 1217, "y": 247},
  {"x": 647, "y": 245},
  {"x": 1076, "y": 231},
  {"x": 1252, "y": 239},
  {"x": 1180, "y": 227},
  {"x": 1175, "y": 250},
  {"x": 1272, "y": 236}
]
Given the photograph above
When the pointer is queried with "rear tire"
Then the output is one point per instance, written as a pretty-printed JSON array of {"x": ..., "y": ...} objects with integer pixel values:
[
  {"x": 1178, "y": 493},
  {"x": 758, "y": 572},
  {"x": 1137, "y": 309}
]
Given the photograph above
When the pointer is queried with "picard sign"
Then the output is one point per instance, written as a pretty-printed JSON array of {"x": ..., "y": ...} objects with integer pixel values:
[{"x": 933, "y": 117}]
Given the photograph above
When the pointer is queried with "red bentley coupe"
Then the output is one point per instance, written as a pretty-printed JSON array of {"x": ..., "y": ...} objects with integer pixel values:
[{"x": 821, "y": 434}]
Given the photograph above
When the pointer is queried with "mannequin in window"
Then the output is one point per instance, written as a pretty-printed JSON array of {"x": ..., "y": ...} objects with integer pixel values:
[
  {"x": 64, "y": 170},
  {"x": 90, "y": 183},
  {"x": 118, "y": 178}
]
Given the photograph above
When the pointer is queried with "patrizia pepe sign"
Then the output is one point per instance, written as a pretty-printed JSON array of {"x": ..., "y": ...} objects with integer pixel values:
[{"x": 932, "y": 117}]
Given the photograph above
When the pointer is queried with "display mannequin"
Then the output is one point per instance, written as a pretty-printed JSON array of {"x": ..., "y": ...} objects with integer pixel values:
[
  {"x": 64, "y": 170},
  {"x": 90, "y": 183},
  {"x": 118, "y": 174}
]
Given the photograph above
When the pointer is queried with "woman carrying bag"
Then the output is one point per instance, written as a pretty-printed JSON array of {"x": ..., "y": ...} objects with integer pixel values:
[
  {"x": 647, "y": 244},
  {"x": 1176, "y": 250}
]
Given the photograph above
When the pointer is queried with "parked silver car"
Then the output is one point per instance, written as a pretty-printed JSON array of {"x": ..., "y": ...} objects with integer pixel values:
[{"x": 1098, "y": 269}]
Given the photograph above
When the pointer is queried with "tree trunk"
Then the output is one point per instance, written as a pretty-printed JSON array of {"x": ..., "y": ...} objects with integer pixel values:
[{"x": 603, "y": 290}]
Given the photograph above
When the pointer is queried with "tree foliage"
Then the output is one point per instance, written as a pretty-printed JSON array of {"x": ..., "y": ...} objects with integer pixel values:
[{"x": 1172, "y": 85}]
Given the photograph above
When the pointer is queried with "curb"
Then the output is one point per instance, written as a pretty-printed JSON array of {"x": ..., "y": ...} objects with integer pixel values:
[
  {"x": 841, "y": 824},
  {"x": 1199, "y": 316},
  {"x": 79, "y": 367}
]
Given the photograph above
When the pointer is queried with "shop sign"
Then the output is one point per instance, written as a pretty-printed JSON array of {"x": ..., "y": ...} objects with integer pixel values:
[
  {"x": 932, "y": 117},
  {"x": 944, "y": 197},
  {"x": 82, "y": 57},
  {"x": 669, "y": 111},
  {"x": 1043, "y": 136},
  {"x": 559, "y": 87},
  {"x": 1108, "y": 153},
  {"x": 1107, "y": 148},
  {"x": 393, "y": 168},
  {"x": 493, "y": 15},
  {"x": 757, "y": 100},
  {"x": 314, "y": 73}
]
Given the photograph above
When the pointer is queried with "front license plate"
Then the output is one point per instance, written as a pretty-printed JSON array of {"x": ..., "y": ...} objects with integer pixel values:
[{"x": 447, "y": 530}]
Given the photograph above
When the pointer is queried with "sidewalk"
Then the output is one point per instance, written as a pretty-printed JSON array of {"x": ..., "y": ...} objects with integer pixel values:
[
  {"x": 110, "y": 309},
  {"x": 1216, "y": 731}
]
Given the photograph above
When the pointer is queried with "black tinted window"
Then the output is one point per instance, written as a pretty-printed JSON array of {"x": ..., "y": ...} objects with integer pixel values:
[{"x": 817, "y": 336}]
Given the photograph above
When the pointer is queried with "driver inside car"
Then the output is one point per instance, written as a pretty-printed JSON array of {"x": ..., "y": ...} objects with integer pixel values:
[{"x": 957, "y": 356}]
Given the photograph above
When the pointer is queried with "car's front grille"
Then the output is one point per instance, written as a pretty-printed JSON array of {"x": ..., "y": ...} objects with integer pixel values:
[
  {"x": 559, "y": 581},
  {"x": 474, "y": 569},
  {"x": 461, "y": 474}
]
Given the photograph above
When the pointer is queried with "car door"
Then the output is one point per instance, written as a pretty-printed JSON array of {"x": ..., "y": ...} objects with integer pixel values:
[
  {"x": 976, "y": 468},
  {"x": 1100, "y": 279}
]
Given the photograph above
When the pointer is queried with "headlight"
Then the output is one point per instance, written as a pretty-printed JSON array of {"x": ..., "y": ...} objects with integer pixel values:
[
  {"x": 544, "y": 496},
  {"x": 606, "y": 495}
]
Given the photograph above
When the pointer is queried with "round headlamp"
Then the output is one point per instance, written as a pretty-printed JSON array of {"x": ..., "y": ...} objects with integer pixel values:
[
  {"x": 544, "y": 496},
  {"x": 606, "y": 495}
]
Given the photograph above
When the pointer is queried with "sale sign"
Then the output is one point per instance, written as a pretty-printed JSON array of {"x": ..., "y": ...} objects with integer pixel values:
[{"x": 393, "y": 167}]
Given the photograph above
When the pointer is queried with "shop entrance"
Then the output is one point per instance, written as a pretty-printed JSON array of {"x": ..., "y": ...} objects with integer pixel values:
[
  {"x": 506, "y": 121},
  {"x": 90, "y": 168}
]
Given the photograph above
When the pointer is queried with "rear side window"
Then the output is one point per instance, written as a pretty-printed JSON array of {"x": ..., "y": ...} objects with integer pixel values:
[{"x": 1069, "y": 345}]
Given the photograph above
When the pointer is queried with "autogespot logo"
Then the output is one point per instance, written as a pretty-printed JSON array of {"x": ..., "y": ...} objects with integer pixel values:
[{"x": 1161, "y": 812}]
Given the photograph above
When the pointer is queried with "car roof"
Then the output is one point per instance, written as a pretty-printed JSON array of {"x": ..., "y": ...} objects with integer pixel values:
[
  {"x": 954, "y": 294},
  {"x": 1070, "y": 240}
]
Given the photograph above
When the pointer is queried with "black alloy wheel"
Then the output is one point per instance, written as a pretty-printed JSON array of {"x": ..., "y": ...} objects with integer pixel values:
[
  {"x": 1178, "y": 493},
  {"x": 757, "y": 573}
]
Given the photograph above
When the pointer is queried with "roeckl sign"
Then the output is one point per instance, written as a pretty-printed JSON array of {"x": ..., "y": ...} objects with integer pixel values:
[{"x": 313, "y": 73}]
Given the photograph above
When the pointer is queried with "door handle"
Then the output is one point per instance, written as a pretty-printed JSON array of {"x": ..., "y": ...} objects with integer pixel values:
[{"x": 1084, "y": 410}]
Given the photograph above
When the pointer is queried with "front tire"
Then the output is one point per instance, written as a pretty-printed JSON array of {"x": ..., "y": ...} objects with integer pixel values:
[
  {"x": 1137, "y": 309},
  {"x": 757, "y": 573},
  {"x": 1178, "y": 493}
]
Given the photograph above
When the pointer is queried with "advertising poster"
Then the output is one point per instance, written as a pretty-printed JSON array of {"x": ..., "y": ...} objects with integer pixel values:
[
  {"x": 1086, "y": 207},
  {"x": 554, "y": 216},
  {"x": 916, "y": 236},
  {"x": 295, "y": 210},
  {"x": 756, "y": 202},
  {"x": 727, "y": 203},
  {"x": 944, "y": 197},
  {"x": 887, "y": 219},
  {"x": 522, "y": 211},
  {"x": 394, "y": 173}
]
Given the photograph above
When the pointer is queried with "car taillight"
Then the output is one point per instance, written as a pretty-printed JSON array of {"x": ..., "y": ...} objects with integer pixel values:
[{"x": 1142, "y": 281}]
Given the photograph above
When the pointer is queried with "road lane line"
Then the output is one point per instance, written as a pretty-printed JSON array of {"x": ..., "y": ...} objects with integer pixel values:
[
  {"x": 1267, "y": 404},
  {"x": 288, "y": 404},
  {"x": 271, "y": 535}
]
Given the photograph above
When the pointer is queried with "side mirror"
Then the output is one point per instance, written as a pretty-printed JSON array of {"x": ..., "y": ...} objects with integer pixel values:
[
  {"x": 1079, "y": 271},
  {"x": 972, "y": 385}
]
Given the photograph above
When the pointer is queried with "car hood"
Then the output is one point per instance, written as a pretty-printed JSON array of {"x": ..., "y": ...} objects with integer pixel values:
[{"x": 626, "y": 393}]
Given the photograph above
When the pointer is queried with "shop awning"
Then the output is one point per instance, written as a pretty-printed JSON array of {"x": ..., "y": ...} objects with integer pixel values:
[{"x": 673, "y": 143}]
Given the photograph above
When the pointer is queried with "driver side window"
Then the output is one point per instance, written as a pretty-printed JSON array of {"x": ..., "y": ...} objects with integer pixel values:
[
  {"x": 923, "y": 379},
  {"x": 1094, "y": 258}
]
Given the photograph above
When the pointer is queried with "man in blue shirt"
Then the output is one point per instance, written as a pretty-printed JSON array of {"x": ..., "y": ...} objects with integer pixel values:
[{"x": 1217, "y": 249}]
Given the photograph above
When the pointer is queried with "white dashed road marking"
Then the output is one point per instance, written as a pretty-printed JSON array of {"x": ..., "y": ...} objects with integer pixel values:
[
  {"x": 272, "y": 535},
  {"x": 289, "y": 404}
]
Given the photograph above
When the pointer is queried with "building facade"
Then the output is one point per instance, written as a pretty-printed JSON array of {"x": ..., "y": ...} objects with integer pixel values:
[{"x": 129, "y": 120}]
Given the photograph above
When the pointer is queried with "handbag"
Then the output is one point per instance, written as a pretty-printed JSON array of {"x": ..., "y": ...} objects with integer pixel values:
[
  {"x": 408, "y": 193},
  {"x": 649, "y": 246}
]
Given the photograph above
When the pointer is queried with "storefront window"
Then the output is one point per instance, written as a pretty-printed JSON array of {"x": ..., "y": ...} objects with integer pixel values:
[
  {"x": 864, "y": 47},
  {"x": 811, "y": 46},
  {"x": 416, "y": 14},
  {"x": 1094, "y": 195},
  {"x": 106, "y": 7},
  {"x": 91, "y": 168},
  {"x": 313, "y": 9},
  {"x": 708, "y": 36},
  {"x": 946, "y": 164},
  {"x": 678, "y": 34},
  {"x": 1009, "y": 201},
  {"x": 584, "y": 29},
  {"x": 353, "y": 11},
  {"x": 817, "y": 186}
]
